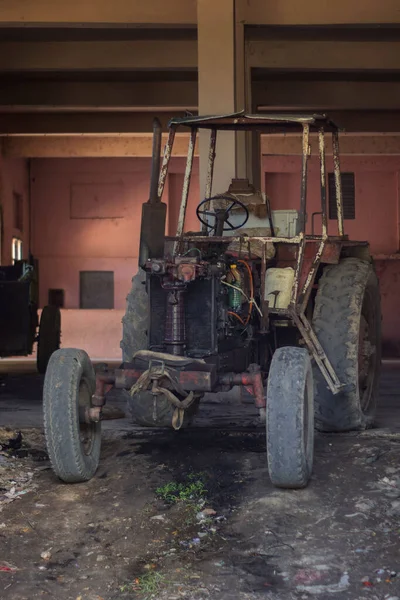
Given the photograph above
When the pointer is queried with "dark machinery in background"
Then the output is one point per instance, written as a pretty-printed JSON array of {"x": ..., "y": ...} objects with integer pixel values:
[
  {"x": 19, "y": 321},
  {"x": 252, "y": 300}
]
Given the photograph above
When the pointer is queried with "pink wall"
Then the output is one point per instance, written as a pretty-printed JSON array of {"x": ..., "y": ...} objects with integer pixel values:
[
  {"x": 13, "y": 179},
  {"x": 86, "y": 216},
  {"x": 108, "y": 193},
  {"x": 389, "y": 277},
  {"x": 96, "y": 331},
  {"x": 376, "y": 194},
  {"x": 175, "y": 185}
]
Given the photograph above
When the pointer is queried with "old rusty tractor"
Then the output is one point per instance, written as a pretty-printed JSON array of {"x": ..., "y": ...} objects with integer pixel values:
[{"x": 253, "y": 299}]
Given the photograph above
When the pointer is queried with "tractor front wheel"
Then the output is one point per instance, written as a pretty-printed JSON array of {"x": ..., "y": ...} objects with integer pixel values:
[
  {"x": 72, "y": 443},
  {"x": 290, "y": 418},
  {"x": 156, "y": 411},
  {"x": 143, "y": 407}
]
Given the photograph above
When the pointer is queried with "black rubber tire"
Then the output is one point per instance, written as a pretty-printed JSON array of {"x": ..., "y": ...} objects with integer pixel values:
[
  {"x": 69, "y": 372},
  {"x": 141, "y": 409},
  {"x": 49, "y": 336},
  {"x": 135, "y": 320},
  {"x": 345, "y": 292},
  {"x": 290, "y": 418},
  {"x": 134, "y": 338}
]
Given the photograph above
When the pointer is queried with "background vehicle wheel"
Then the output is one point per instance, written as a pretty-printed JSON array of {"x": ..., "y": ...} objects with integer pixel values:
[
  {"x": 135, "y": 320},
  {"x": 49, "y": 336},
  {"x": 347, "y": 321},
  {"x": 72, "y": 444},
  {"x": 290, "y": 418},
  {"x": 142, "y": 410}
]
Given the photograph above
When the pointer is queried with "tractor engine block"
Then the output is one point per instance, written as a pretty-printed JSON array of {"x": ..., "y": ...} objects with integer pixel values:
[{"x": 195, "y": 308}]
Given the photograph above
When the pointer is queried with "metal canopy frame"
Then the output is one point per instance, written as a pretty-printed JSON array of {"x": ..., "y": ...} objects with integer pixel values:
[
  {"x": 269, "y": 124},
  {"x": 265, "y": 123}
]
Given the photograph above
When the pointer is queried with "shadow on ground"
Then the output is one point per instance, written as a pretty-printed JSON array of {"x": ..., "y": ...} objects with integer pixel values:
[{"x": 114, "y": 538}]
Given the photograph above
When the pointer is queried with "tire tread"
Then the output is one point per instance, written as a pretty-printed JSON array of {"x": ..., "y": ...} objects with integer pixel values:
[
  {"x": 289, "y": 463},
  {"x": 60, "y": 407},
  {"x": 336, "y": 322}
]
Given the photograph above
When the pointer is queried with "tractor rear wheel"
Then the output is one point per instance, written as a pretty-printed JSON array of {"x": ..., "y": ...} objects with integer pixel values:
[
  {"x": 72, "y": 443},
  {"x": 347, "y": 321},
  {"x": 49, "y": 336},
  {"x": 134, "y": 338},
  {"x": 145, "y": 412},
  {"x": 135, "y": 320},
  {"x": 290, "y": 418}
]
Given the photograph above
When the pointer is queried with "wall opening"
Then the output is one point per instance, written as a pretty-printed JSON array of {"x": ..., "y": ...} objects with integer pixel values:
[
  {"x": 18, "y": 211},
  {"x": 16, "y": 250},
  {"x": 96, "y": 289},
  {"x": 348, "y": 193}
]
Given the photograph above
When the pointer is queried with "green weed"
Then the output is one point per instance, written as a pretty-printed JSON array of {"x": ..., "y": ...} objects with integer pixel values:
[
  {"x": 191, "y": 491},
  {"x": 147, "y": 585}
]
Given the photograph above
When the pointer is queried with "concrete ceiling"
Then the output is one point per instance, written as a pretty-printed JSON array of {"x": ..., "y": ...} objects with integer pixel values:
[{"x": 102, "y": 79}]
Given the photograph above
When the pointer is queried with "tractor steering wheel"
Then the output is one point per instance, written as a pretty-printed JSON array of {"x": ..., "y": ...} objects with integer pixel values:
[{"x": 221, "y": 215}]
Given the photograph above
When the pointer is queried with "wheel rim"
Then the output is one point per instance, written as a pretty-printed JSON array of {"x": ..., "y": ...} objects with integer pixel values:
[
  {"x": 86, "y": 430},
  {"x": 367, "y": 354}
]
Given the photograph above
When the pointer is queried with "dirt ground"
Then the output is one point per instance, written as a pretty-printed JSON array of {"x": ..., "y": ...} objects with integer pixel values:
[{"x": 231, "y": 536}]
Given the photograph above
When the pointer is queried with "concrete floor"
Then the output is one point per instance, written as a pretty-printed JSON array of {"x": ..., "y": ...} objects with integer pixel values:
[
  {"x": 21, "y": 399},
  {"x": 21, "y": 394},
  {"x": 337, "y": 538}
]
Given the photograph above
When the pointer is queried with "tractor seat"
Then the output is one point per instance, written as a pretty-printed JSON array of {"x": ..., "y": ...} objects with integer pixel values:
[{"x": 257, "y": 225}]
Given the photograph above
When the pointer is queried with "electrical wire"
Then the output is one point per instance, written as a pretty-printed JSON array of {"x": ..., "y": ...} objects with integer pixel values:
[
  {"x": 257, "y": 307},
  {"x": 233, "y": 314},
  {"x": 235, "y": 287},
  {"x": 251, "y": 300},
  {"x": 190, "y": 250},
  {"x": 243, "y": 262}
]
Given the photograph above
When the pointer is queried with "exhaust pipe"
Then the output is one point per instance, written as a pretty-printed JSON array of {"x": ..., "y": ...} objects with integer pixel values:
[
  {"x": 155, "y": 161},
  {"x": 154, "y": 212}
]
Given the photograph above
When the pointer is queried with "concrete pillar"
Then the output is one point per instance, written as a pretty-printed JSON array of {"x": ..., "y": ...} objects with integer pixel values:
[{"x": 222, "y": 86}]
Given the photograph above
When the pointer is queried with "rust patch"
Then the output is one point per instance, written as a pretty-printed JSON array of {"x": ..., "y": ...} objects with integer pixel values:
[{"x": 331, "y": 253}]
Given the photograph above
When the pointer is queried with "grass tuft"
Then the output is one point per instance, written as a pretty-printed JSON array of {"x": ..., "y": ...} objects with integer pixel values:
[{"x": 191, "y": 491}]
